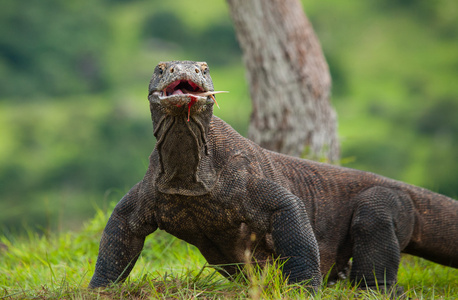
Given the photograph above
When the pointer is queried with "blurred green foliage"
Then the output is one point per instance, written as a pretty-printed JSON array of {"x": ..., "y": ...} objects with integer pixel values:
[
  {"x": 75, "y": 127},
  {"x": 51, "y": 47}
]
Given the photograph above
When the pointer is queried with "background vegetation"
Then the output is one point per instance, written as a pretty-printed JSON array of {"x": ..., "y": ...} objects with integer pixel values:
[{"x": 75, "y": 127}]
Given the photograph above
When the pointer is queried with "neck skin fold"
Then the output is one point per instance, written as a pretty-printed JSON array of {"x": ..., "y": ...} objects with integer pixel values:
[{"x": 182, "y": 148}]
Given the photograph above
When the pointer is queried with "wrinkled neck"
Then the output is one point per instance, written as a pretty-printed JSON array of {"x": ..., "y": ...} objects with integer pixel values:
[
  {"x": 180, "y": 146},
  {"x": 182, "y": 149}
]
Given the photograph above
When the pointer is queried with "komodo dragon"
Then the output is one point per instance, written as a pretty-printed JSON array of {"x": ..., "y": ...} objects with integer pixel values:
[{"x": 213, "y": 188}]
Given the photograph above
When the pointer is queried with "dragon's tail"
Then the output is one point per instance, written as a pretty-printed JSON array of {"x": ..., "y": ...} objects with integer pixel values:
[{"x": 435, "y": 235}]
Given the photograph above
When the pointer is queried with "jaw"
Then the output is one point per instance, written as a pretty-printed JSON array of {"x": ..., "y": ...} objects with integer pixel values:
[
  {"x": 183, "y": 96},
  {"x": 182, "y": 105},
  {"x": 180, "y": 100}
]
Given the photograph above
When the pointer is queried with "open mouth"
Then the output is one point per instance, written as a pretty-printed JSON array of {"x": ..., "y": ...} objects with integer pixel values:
[
  {"x": 186, "y": 92},
  {"x": 187, "y": 88},
  {"x": 180, "y": 87}
]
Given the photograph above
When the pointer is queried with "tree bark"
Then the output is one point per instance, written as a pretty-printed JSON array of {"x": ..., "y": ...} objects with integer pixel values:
[{"x": 289, "y": 79}]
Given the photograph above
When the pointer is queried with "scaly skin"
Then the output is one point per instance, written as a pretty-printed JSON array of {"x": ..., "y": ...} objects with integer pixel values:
[{"x": 211, "y": 187}]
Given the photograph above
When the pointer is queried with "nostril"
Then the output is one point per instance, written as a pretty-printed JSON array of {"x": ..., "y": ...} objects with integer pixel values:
[
  {"x": 172, "y": 70},
  {"x": 197, "y": 70}
]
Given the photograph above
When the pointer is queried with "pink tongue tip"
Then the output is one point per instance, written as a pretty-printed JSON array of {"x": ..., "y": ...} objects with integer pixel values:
[{"x": 177, "y": 92}]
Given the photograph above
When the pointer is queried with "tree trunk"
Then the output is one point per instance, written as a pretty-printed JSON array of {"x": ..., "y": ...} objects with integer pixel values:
[{"x": 289, "y": 79}]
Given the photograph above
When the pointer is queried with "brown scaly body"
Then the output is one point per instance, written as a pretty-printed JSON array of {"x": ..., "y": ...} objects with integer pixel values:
[{"x": 213, "y": 188}]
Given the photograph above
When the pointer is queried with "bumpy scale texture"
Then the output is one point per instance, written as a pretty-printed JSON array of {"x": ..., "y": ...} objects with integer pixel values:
[{"x": 211, "y": 187}]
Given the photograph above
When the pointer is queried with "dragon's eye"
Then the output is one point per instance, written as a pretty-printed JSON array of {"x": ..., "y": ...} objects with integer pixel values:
[
  {"x": 204, "y": 68},
  {"x": 160, "y": 68}
]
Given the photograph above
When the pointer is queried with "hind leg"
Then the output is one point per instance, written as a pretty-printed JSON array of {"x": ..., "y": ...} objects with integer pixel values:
[{"x": 378, "y": 231}]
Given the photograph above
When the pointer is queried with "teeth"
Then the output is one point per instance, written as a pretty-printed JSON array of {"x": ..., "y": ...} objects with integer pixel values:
[{"x": 184, "y": 92}]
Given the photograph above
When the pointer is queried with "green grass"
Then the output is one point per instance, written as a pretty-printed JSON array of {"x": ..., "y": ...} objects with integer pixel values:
[{"x": 60, "y": 267}]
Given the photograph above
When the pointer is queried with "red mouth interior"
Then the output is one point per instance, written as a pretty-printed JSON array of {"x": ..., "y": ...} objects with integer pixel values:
[{"x": 181, "y": 87}]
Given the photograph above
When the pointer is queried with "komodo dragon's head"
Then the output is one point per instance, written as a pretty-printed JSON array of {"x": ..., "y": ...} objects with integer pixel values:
[
  {"x": 181, "y": 98},
  {"x": 181, "y": 88}
]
